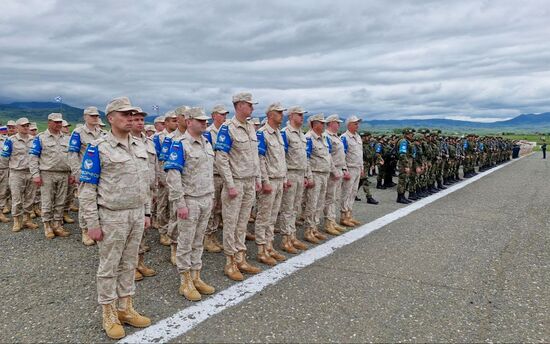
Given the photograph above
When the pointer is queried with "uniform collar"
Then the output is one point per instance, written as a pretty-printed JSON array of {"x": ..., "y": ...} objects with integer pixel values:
[
  {"x": 115, "y": 141},
  {"x": 238, "y": 123},
  {"x": 190, "y": 138}
]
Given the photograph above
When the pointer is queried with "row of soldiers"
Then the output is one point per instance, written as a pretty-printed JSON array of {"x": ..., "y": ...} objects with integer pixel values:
[{"x": 427, "y": 161}]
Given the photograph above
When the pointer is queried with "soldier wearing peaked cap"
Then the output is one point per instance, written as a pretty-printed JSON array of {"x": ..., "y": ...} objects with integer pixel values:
[
  {"x": 22, "y": 189},
  {"x": 238, "y": 164},
  {"x": 4, "y": 182},
  {"x": 159, "y": 123},
  {"x": 49, "y": 167},
  {"x": 114, "y": 200},
  {"x": 80, "y": 138}
]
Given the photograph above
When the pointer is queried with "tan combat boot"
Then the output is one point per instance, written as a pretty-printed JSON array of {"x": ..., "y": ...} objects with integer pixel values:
[
  {"x": 3, "y": 218},
  {"x": 128, "y": 315},
  {"x": 173, "y": 250},
  {"x": 344, "y": 220},
  {"x": 329, "y": 228},
  {"x": 67, "y": 218},
  {"x": 165, "y": 240},
  {"x": 338, "y": 227},
  {"x": 201, "y": 286},
  {"x": 297, "y": 243},
  {"x": 318, "y": 234},
  {"x": 310, "y": 237},
  {"x": 250, "y": 236},
  {"x": 32, "y": 215},
  {"x": 216, "y": 242},
  {"x": 48, "y": 231},
  {"x": 59, "y": 231},
  {"x": 86, "y": 240},
  {"x": 138, "y": 276},
  {"x": 143, "y": 269},
  {"x": 243, "y": 265},
  {"x": 73, "y": 208},
  {"x": 187, "y": 288},
  {"x": 231, "y": 270},
  {"x": 27, "y": 222},
  {"x": 112, "y": 326},
  {"x": 37, "y": 211},
  {"x": 264, "y": 257},
  {"x": 6, "y": 210},
  {"x": 352, "y": 220},
  {"x": 210, "y": 245},
  {"x": 287, "y": 245},
  {"x": 252, "y": 218},
  {"x": 274, "y": 253},
  {"x": 17, "y": 224}
]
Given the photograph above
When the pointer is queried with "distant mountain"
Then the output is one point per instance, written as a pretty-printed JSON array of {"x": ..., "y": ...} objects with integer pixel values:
[{"x": 38, "y": 112}]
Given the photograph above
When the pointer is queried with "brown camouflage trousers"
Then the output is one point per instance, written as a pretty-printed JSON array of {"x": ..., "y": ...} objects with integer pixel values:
[
  {"x": 350, "y": 188},
  {"x": 268, "y": 208},
  {"x": 291, "y": 202},
  {"x": 71, "y": 189},
  {"x": 216, "y": 216},
  {"x": 53, "y": 195},
  {"x": 4, "y": 187},
  {"x": 235, "y": 214},
  {"x": 191, "y": 233},
  {"x": 333, "y": 197},
  {"x": 118, "y": 252},
  {"x": 22, "y": 192},
  {"x": 315, "y": 199}
]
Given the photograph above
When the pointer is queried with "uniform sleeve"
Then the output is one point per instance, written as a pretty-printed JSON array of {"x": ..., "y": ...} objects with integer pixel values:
[
  {"x": 34, "y": 157},
  {"x": 87, "y": 192},
  {"x": 222, "y": 148},
  {"x": 262, "y": 151},
  {"x": 175, "y": 187}
]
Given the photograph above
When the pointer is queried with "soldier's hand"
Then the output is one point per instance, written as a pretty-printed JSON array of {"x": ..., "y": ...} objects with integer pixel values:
[
  {"x": 347, "y": 176},
  {"x": 309, "y": 183},
  {"x": 232, "y": 192},
  {"x": 72, "y": 180},
  {"x": 147, "y": 222},
  {"x": 37, "y": 181},
  {"x": 335, "y": 176},
  {"x": 407, "y": 170},
  {"x": 183, "y": 213},
  {"x": 95, "y": 233},
  {"x": 258, "y": 186},
  {"x": 287, "y": 185},
  {"x": 266, "y": 188},
  {"x": 419, "y": 170}
]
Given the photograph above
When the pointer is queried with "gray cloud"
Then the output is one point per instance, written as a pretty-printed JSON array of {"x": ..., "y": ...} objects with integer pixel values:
[{"x": 468, "y": 59}]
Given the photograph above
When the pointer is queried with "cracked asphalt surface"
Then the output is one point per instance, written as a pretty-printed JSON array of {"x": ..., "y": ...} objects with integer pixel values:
[{"x": 471, "y": 267}]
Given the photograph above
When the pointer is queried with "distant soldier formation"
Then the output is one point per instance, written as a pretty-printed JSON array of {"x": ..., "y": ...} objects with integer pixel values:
[{"x": 202, "y": 185}]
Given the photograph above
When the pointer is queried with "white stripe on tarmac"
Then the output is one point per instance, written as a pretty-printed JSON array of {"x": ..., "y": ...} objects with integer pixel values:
[{"x": 184, "y": 320}]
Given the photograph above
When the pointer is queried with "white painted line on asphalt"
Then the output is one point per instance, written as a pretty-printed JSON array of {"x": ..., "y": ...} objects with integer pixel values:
[{"x": 184, "y": 320}]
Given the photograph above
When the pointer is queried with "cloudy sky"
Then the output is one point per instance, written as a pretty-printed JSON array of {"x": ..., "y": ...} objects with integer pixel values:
[{"x": 481, "y": 60}]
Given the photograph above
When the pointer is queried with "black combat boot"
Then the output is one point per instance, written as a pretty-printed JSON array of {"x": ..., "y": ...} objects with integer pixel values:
[
  {"x": 379, "y": 185},
  {"x": 402, "y": 199},
  {"x": 413, "y": 196},
  {"x": 371, "y": 200},
  {"x": 440, "y": 185}
]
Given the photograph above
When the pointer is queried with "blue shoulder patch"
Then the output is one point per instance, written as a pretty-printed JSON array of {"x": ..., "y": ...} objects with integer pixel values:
[
  {"x": 224, "y": 142},
  {"x": 36, "y": 148},
  {"x": 378, "y": 148},
  {"x": 309, "y": 147},
  {"x": 403, "y": 146},
  {"x": 91, "y": 166},
  {"x": 465, "y": 146},
  {"x": 285, "y": 140},
  {"x": 208, "y": 136},
  {"x": 176, "y": 157},
  {"x": 329, "y": 143},
  {"x": 262, "y": 147},
  {"x": 165, "y": 149},
  {"x": 74, "y": 143},
  {"x": 158, "y": 145},
  {"x": 7, "y": 149},
  {"x": 345, "y": 143}
]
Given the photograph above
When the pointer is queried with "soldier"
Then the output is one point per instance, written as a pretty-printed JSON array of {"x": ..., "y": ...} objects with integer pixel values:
[
  {"x": 353, "y": 146},
  {"x": 211, "y": 243},
  {"x": 271, "y": 149},
  {"x": 80, "y": 138},
  {"x": 153, "y": 171},
  {"x": 150, "y": 130},
  {"x": 159, "y": 123},
  {"x": 11, "y": 128},
  {"x": 320, "y": 162},
  {"x": 33, "y": 131},
  {"x": 190, "y": 178},
  {"x": 338, "y": 173},
  {"x": 163, "y": 141},
  {"x": 11, "y": 131},
  {"x": 16, "y": 150},
  {"x": 405, "y": 150},
  {"x": 250, "y": 234},
  {"x": 470, "y": 150},
  {"x": 298, "y": 176},
  {"x": 113, "y": 197},
  {"x": 71, "y": 190},
  {"x": 50, "y": 171},
  {"x": 4, "y": 178},
  {"x": 238, "y": 164}
]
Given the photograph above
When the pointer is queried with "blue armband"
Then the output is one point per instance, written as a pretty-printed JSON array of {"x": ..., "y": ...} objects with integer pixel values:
[
  {"x": 176, "y": 157},
  {"x": 224, "y": 142},
  {"x": 262, "y": 147},
  {"x": 91, "y": 166},
  {"x": 36, "y": 148},
  {"x": 75, "y": 143}
]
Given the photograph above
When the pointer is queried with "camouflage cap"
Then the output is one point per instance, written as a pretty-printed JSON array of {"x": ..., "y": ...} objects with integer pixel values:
[
  {"x": 181, "y": 110},
  {"x": 408, "y": 131},
  {"x": 333, "y": 118},
  {"x": 320, "y": 117},
  {"x": 352, "y": 119},
  {"x": 365, "y": 134},
  {"x": 91, "y": 111},
  {"x": 65, "y": 124},
  {"x": 196, "y": 113},
  {"x": 150, "y": 127},
  {"x": 139, "y": 111},
  {"x": 55, "y": 117},
  {"x": 296, "y": 109},
  {"x": 170, "y": 114},
  {"x": 120, "y": 104},
  {"x": 11, "y": 122},
  {"x": 219, "y": 109},
  {"x": 33, "y": 126},
  {"x": 418, "y": 137},
  {"x": 22, "y": 121},
  {"x": 254, "y": 120},
  {"x": 275, "y": 107},
  {"x": 159, "y": 119},
  {"x": 101, "y": 124},
  {"x": 243, "y": 97}
]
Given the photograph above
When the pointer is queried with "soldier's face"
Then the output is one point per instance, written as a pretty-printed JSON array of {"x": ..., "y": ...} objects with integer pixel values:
[
  {"x": 218, "y": 118},
  {"x": 23, "y": 129},
  {"x": 244, "y": 108},
  {"x": 11, "y": 130},
  {"x": 138, "y": 123},
  {"x": 121, "y": 121},
  {"x": 91, "y": 120},
  {"x": 296, "y": 119},
  {"x": 196, "y": 127},
  {"x": 55, "y": 126},
  {"x": 333, "y": 126},
  {"x": 65, "y": 130},
  {"x": 318, "y": 127},
  {"x": 353, "y": 126},
  {"x": 159, "y": 126},
  {"x": 276, "y": 117},
  {"x": 171, "y": 123}
]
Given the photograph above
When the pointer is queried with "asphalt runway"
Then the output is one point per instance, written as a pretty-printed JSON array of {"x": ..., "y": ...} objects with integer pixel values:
[{"x": 472, "y": 266}]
